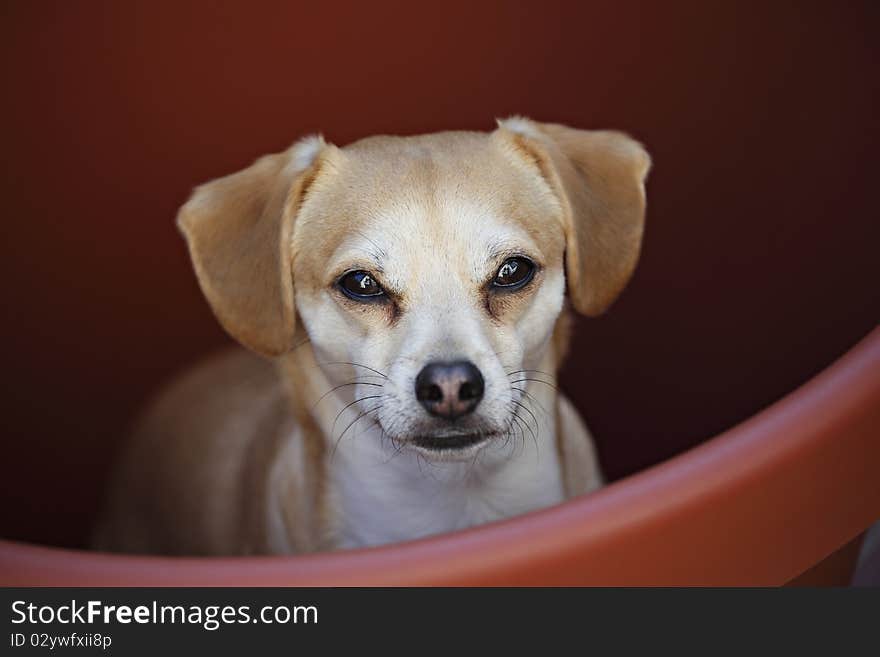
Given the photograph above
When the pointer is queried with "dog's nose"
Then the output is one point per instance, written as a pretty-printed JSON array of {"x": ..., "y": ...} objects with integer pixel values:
[{"x": 449, "y": 390}]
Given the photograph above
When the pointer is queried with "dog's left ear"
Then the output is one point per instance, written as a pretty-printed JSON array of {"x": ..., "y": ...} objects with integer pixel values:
[{"x": 598, "y": 177}]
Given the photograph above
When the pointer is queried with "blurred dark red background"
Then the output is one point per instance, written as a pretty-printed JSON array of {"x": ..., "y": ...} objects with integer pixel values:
[{"x": 761, "y": 260}]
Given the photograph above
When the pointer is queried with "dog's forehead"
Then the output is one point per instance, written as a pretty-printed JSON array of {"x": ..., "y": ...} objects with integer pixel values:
[
  {"x": 453, "y": 196},
  {"x": 418, "y": 243},
  {"x": 474, "y": 164}
]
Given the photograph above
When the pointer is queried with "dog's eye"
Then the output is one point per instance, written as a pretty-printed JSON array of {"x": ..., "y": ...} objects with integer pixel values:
[
  {"x": 514, "y": 274},
  {"x": 360, "y": 285}
]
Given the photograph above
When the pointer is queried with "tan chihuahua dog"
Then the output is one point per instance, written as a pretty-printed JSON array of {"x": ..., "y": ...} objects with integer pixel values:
[{"x": 410, "y": 292}]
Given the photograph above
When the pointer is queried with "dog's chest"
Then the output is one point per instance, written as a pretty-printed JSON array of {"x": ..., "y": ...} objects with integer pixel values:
[{"x": 380, "y": 500}]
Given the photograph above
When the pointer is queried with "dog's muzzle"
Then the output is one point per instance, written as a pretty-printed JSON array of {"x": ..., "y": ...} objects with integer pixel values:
[{"x": 450, "y": 391}]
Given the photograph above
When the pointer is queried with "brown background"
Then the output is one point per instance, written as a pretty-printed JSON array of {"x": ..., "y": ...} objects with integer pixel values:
[{"x": 760, "y": 265}]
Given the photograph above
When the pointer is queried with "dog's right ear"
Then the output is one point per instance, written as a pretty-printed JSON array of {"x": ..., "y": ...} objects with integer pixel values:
[{"x": 238, "y": 231}]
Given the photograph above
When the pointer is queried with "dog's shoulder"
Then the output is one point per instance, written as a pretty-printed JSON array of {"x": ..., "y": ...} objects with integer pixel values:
[
  {"x": 229, "y": 374},
  {"x": 195, "y": 454}
]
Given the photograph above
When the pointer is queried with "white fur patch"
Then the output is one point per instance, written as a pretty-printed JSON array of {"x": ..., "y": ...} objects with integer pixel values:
[
  {"x": 436, "y": 254},
  {"x": 304, "y": 152},
  {"x": 519, "y": 125}
]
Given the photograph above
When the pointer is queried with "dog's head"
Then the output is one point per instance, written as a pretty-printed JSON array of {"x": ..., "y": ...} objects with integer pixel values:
[{"x": 429, "y": 271}]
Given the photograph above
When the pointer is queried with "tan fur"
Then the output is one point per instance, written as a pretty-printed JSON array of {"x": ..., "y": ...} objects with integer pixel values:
[
  {"x": 600, "y": 177},
  {"x": 238, "y": 456}
]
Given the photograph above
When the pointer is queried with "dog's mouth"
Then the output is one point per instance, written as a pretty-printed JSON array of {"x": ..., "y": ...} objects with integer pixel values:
[{"x": 452, "y": 442}]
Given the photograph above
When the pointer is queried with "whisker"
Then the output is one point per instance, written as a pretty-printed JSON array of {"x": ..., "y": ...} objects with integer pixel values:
[
  {"x": 507, "y": 433},
  {"x": 521, "y": 423},
  {"x": 531, "y": 372},
  {"x": 343, "y": 362},
  {"x": 525, "y": 393},
  {"x": 528, "y": 410},
  {"x": 396, "y": 445},
  {"x": 536, "y": 381},
  {"x": 537, "y": 428},
  {"x": 511, "y": 424},
  {"x": 350, "y": 425},
  {"x": 343, "y": 385},
  {"x": 362, "y": 415},
  {"x": 522, "y": 426},
  {"x": 379, "y": 249},
  {"x": 347, "y": 406}
]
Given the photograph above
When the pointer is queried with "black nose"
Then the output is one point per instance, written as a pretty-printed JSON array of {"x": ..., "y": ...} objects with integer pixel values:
[{"x": 449, "y": 390}]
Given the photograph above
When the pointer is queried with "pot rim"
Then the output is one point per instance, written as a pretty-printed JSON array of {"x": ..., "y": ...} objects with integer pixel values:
[{"x": 758, "y": 505}]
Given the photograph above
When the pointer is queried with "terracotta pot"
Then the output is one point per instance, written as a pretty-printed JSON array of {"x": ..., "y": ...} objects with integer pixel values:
[{"x": 758, "y": 505}]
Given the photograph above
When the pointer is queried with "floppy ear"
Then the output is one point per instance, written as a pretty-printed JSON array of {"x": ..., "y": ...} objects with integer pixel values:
[
  {"x": 238, "y": 232},
  {"x": 598, "y": 176}
]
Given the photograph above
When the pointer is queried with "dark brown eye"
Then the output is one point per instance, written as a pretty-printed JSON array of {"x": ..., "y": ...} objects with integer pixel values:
[
  {"x": 360, "y": 285},
  {"x": 514, "y": 274}
]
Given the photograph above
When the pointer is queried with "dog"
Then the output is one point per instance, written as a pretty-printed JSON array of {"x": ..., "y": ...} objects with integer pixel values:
[{"x": 406, "y": 303}]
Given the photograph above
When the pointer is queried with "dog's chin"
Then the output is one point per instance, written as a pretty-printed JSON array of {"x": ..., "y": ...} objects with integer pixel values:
[{"x": 450, "y": 446}]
